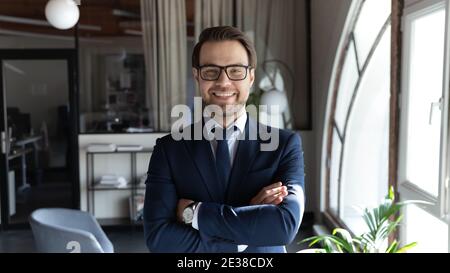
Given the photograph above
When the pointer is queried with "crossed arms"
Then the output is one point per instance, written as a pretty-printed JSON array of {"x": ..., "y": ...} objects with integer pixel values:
[{"x": 266, "y": 221}]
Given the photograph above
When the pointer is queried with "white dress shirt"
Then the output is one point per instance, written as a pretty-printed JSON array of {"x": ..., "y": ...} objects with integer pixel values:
[{"x": 232, "y": 140}]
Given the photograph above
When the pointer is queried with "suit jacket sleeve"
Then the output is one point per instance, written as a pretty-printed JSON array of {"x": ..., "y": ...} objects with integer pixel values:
[
  {"x": 262, "y": 225},
  {"x": 162, "y": 231}
]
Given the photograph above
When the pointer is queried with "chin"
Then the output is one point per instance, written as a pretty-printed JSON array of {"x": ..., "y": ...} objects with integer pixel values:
[{"x": 234, "y": 109}]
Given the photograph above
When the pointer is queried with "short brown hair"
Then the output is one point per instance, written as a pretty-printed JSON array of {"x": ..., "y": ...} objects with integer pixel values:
[{"x": 224, "y": 33}]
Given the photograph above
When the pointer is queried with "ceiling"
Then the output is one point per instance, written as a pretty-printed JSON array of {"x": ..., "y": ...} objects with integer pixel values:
[{"x": 98, "y": 18}]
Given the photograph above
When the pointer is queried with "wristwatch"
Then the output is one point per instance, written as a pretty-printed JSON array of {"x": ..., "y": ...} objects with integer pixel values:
[{"x": 188, "y": 213}]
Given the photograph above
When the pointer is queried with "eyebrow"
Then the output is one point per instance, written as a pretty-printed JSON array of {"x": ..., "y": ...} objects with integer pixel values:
[{"x": 222, "y": 65}]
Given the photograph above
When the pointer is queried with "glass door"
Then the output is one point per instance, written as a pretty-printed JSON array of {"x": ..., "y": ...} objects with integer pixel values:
[{"x": 38, "y": 132}]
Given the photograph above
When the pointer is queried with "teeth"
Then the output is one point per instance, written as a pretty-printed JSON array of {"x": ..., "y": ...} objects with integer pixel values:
[{"x": 221, "y": 94}]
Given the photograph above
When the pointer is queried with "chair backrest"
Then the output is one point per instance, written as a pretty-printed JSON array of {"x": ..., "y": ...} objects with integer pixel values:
[{"x": 59, "y": 230}]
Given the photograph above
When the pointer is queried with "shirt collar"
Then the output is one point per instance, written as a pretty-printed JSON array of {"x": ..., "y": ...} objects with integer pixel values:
[
  {"x": 210, "y": 124},
  {"x": 240, "y": 122}
]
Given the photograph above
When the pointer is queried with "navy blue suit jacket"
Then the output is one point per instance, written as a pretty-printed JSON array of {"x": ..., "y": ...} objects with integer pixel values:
[{"x": 185, "y": 169}]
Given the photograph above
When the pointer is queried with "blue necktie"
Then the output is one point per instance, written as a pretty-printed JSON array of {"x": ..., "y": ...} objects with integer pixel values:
[{"x": 223, "y": 162}]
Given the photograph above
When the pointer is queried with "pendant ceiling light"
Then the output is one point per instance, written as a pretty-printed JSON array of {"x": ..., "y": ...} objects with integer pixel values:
[{"x": 62, "y": 14}]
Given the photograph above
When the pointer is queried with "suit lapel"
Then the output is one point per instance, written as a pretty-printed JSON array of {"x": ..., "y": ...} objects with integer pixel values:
[
  {"x": 204, "y": 161},
  {"x": 245, "y": 155}
]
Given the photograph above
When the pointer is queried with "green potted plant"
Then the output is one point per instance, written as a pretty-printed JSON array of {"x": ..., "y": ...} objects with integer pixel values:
[{"x": 381, "y": 222}]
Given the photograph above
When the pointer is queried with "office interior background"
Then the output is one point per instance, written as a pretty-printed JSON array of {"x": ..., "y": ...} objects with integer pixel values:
[{"x": 364, "y": 82}]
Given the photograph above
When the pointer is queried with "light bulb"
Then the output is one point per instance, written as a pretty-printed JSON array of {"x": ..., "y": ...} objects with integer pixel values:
[
  {"x": 62, "y": 14},
  {"x": 275, "y": 101}
]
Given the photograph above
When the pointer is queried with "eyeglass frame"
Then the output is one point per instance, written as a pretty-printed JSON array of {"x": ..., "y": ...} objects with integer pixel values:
[{"x": 224, "y": 68}]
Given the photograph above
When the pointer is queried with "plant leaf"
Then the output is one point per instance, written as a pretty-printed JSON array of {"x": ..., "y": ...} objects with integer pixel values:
[
  {"x": 330, "y": 243},
  {"x": 347, "y": 240},
  {"x": 381, "y": 222},
  {"x": 393, "y": 247},
  {"x": 328, "y": 246},
  {"x": 391, "y": 195},
  {"x": 369, "y": 220},
  {"x": 406, "y": 247}
]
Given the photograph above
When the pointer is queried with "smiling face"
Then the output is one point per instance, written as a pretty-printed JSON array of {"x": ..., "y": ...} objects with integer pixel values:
[{"x": 230, "y": 95}]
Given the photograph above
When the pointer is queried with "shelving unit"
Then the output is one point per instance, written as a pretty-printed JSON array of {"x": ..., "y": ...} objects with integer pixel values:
[{"x": 133, "y": 186}]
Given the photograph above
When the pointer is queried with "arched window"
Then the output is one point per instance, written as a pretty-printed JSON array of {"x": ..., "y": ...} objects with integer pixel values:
[
  {"x": 372, "y": 140},
  {"x": 357, "y": 131}
]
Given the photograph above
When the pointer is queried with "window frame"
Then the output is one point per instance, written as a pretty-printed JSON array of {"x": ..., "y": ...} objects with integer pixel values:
[
  {"x": 407, "y": 189},
  {"x": 330, "y": 219}
]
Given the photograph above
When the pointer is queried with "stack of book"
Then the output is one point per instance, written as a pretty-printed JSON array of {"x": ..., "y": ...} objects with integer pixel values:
[
  {"x": 139, "y": 130},
  {"x": 112, "y": 181}
]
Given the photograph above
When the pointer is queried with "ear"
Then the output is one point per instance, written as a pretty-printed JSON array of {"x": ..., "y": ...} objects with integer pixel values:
[
  {"x": 195, "y": 73},
  {"x": 252, "y": 76}
]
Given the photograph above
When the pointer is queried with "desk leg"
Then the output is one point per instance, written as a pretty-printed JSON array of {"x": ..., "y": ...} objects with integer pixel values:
[
  {"x": 24, "y": 185},
  {"x": 37, "y": 171}
]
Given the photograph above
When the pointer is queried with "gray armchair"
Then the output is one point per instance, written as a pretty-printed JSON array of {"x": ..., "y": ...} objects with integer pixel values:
[{"x": 58, "y": 230}]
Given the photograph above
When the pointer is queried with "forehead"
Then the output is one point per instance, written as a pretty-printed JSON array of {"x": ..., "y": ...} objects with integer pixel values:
[{"x": 223, "y": 53}]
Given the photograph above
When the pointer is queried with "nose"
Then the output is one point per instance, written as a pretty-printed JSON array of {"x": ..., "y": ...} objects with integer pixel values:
[{"x": 223, "y": 79}]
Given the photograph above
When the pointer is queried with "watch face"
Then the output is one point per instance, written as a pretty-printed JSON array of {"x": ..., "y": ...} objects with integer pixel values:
[{"x": 188, "y": 215}]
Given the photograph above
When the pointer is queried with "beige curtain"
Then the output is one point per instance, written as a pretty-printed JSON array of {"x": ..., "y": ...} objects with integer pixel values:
[
  {"x": 211, "y": 13},
  {"x": 278, "y": 29},
  {"x": 165, "y": 47}
]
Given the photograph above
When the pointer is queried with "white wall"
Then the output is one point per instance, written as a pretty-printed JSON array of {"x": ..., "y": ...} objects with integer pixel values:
[
  {"x": 308, "y": 143},
  {"x": 301, "y": 74},
  {"x": 328, "y": 18}
]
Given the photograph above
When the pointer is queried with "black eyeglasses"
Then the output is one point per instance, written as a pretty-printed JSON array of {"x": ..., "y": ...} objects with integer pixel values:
[{"x": 234, "y": 72}]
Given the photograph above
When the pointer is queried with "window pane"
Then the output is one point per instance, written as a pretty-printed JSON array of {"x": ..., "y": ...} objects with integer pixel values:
[
  {"x": 430, "y": 233},
  {"x": 114, "y": 93},
  {"x": 373, "y": 15},
  {"x": 113, "y": 76},
  {"x": 334, "y": 172},
  {"x": 347, "y": 85},
  {"x": 365, "y": 165},
  {"x": 425, "y": 88}
]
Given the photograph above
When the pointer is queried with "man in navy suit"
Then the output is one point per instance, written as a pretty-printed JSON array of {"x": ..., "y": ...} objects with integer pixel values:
[{"x": 224, "y": 191}]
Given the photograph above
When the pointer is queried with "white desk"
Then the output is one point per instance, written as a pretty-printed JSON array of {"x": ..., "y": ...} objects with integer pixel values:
[{"x": 22, "y": 152}]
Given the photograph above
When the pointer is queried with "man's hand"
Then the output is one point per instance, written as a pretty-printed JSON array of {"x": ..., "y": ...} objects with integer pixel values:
[
  {"x": 270, "y": 195},
  {"x": 182, "y": 204}
]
